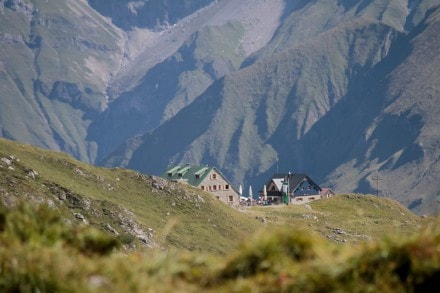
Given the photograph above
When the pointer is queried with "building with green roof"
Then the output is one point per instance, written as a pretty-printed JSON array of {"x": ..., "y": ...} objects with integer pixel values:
[{"x": 206, "y": 178}]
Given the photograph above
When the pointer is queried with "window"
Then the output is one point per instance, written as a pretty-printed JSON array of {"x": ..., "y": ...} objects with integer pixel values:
[
  {"x": 202, "y": 187},
  {"x": 219, "y": 187},
  {"x": 214, "y": 187},
  {"x": 227, "y": 187},
  {"x": 214, "y": 176},
  {"x": 231, "y": 198}
]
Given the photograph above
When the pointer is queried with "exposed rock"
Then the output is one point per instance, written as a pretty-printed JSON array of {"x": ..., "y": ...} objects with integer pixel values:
[
  {"x": 79, "y": 172},
  {"x": 159, "y": 183},
  {"x": 31, "y": 173},
  {"x": 61, "y": 196},
  {"x": 127, "y": 223},
  {"x": 144, "y": 239},
  {"x": 7, "y": 161},
  {"x": 80, "y": 217},
  {"x": 110, "y": 229},
  {"x": 309, "y": 216},
  {"x": 339, "y": 231},
  {"x": 335, "y": 238}
]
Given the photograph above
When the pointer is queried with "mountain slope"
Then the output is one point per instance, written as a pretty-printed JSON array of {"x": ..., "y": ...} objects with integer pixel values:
[
  {"x": 56, "y": 60},
  {"x": 76, "y": 73},
  {"x": 143, "y": 211},
  {"x": 342, "y": 90},
  {"x": 328, "y": 104},
  {"x": 396, "y": 140}
]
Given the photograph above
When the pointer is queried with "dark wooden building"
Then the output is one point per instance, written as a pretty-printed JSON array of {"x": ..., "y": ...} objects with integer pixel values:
[{"x": 291, "y": 188}]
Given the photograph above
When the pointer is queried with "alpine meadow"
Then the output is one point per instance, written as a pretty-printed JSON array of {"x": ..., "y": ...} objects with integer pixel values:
[{"x": 219, "y": 145}]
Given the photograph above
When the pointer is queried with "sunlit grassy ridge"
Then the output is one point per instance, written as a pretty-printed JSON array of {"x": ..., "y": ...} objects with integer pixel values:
[
  {"x": 163, "y": 214},
  {"x": 351, "y": 218},
  {"x": 69, "y": 226},
  {"x": 158, "y": 213}
]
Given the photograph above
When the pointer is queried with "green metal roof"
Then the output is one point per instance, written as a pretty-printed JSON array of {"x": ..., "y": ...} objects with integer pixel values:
[{"x": 193, "y": 175}]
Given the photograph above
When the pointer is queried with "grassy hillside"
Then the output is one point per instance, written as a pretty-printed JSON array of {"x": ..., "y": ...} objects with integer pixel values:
[
  {"x": 40, "y": 252},
  {"x": 143, "y": 211},
  {"x": 69, "y": 226},
  {"x": 350, "y": 219},
  {"x": 151, "y": 212}
]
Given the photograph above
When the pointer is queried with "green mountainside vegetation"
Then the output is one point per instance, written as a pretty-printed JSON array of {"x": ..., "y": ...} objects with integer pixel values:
[
  {"x": 343, "y": 91},
  {"x": 144, "y": 211},
  {"x": 69, "y": 226},
  {"x": 335, "y": 94}
]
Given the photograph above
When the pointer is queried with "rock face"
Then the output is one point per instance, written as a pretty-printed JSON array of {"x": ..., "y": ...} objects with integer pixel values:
[
  {"x": 153, "y": 14},
  {"x": 341, "y": 90}
]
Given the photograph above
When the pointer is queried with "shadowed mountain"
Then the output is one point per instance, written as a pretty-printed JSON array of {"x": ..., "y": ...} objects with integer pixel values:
[
  {"x": 344, "y": 91},
  {"x": 152, "y": 14},
  {"x": 336, "y": 105}
]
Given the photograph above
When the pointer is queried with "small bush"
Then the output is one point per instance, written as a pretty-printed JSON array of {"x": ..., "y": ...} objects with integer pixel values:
[
  {"x": 126, "y": 239},
  {"x": 272, "y": 252},
  {"x": 42, "y": 226}
]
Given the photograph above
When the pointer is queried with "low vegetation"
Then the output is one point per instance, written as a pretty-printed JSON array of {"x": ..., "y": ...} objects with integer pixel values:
[
  {"x": 145, "y": 212},
  {"x": 41, "y": 252},
  {"x": 69, "y": 226},
  {"x": 349, "y": 218}
]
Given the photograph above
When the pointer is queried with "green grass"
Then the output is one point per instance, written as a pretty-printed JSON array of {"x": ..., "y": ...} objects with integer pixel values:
[
  {"x": 197, "y": 243},
  {"x": 178, "y": 216},
  {"x": 350, "y": 219},
  {"x": 171, "y": 214},
  {"x": 40, "y": 252}
]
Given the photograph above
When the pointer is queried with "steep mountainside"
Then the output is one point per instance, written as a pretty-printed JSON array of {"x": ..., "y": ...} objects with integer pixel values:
[
  {"x": 339, "y": 101},
  {"x": 55, "y": 61},
  {"x": 342, "y": 90},
  {"x": 84, "y": 76}
]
